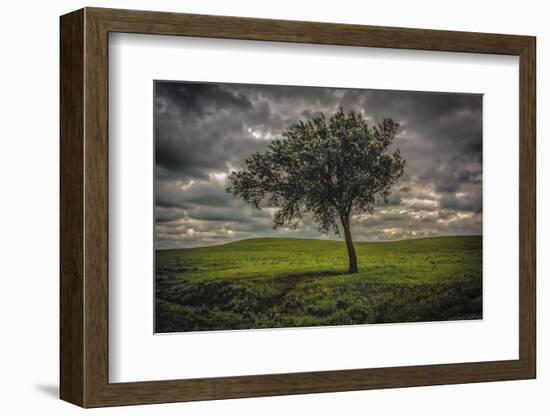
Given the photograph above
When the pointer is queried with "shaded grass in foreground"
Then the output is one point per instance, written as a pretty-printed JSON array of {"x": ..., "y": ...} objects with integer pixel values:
[{"x": 272, "y": 283}]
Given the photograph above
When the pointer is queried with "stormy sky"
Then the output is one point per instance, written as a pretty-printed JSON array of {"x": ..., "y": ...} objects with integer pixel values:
[{"x": 204, "y": 131}]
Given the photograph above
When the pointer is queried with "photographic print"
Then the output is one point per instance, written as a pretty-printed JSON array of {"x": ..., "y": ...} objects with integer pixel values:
[{"x": 298, "y": 206}]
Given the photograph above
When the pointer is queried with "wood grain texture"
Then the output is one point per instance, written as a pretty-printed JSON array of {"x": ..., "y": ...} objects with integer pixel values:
[
  {"x": 527, "y": 208},
  {"x": 84, "y": 207},
  {"x": 71, "y": 208},
  {"x": 96, "y": 219},
  {"x": 227, "y": 27}
]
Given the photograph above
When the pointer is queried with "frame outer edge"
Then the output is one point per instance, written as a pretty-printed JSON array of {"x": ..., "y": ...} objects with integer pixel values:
[
  {"x": 71, "y": 335},
  {"x": 84, "y": 190},
  {"x": 528, "y": 208},
  {"x": 343, "y": 34}
]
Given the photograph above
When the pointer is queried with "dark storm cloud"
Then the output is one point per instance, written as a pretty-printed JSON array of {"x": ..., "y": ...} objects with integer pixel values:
[
  {"x": 200, "y": 99},
  {"x": 197, "y": 129},
  {"x": 203, "y": 131},
  {"x": 460, "y": 202}
]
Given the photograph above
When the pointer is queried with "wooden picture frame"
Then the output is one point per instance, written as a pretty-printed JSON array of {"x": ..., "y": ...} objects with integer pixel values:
[{"x": 84, "y": 207}]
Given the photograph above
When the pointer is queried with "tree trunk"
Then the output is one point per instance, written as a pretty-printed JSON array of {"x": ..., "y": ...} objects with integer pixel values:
[{"x": 349, "y": 244}]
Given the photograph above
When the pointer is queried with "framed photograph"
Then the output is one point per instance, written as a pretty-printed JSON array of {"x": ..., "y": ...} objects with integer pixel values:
[{"x": 255, "y": 207}]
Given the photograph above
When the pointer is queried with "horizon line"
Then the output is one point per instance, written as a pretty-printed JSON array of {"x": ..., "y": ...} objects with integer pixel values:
[{"x": 320, "y": 239}]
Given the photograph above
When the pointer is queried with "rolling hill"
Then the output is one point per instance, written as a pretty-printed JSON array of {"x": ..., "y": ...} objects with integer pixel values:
[{"x": 274, "y": 282}]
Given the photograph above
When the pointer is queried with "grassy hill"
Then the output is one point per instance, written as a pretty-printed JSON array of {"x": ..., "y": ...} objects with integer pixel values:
[{"x": 273, "y": 282}]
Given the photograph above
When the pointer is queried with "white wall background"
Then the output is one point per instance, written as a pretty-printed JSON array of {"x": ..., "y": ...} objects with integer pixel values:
[{"x": 29, "y": 160}]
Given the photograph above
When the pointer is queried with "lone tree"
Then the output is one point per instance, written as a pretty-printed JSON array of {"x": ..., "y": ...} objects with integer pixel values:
[{"x": 330, "y": 168}]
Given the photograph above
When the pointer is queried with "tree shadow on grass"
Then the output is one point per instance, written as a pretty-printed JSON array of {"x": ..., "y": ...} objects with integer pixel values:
[{"x": 312, "y": 274}]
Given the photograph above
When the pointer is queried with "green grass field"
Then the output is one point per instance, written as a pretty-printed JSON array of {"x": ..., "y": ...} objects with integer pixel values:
[{"x": 273, "y": 283}]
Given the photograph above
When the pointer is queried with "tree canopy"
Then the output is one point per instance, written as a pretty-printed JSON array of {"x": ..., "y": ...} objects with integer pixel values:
[{"x": 328, "y": 167}]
